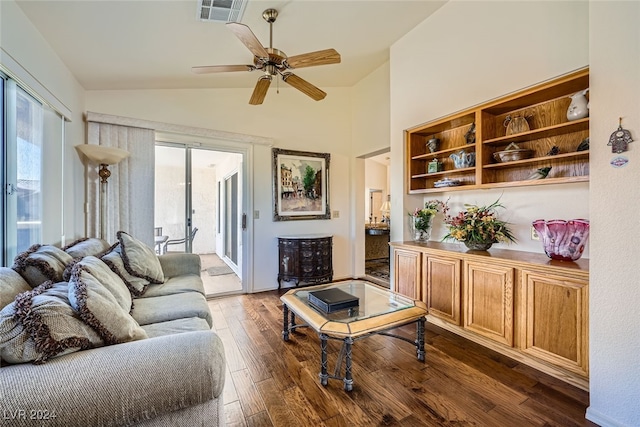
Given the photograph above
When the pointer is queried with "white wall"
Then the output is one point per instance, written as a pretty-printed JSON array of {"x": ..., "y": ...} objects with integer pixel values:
[
  {"x": 293, "y": 120},
  {"x": 436, "y": 71},
  {"x": 36, "y": 61},
  {"x": 370, "y": 134},
  {"x": 614, "y": 293}
]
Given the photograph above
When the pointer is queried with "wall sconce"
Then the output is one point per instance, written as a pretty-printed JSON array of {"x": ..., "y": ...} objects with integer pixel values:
[{"x": 103, "y": 156}]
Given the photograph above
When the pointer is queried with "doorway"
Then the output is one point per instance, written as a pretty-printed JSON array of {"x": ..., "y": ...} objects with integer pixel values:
[
  {"x": 198, "y": 208},
  {"x": 377, "y": 225}
]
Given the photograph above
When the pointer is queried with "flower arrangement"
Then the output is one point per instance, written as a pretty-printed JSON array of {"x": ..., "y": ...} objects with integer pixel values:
[
  {"x": 421, "y": 219},
  {"x": 478, "y": 227}
]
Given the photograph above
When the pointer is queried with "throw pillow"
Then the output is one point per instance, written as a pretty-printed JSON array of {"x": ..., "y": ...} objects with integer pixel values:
[
  {"x": 103, "y": 301},
  {"x": 139, "y": 259},
  {"x": 41, "y": 263},
  {"x": 40, "y": 324},
  {"x": 86, "y": 246},
  {"x": 11, "y": 284},
  {"x": 137, "y": 285}
]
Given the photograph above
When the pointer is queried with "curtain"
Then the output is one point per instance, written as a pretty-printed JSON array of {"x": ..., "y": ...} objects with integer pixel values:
[{"x": 130, "y": 188}]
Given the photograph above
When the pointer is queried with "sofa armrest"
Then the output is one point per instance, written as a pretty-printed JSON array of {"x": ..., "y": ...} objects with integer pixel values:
[
  {"x": 178, "y": 264},
  {"x": 117, "y": 385}
]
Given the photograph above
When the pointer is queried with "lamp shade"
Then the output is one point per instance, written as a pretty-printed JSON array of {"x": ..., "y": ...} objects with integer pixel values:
[
  {"x": 101, "y": 154},
  {"x": 386, "y": 207}
]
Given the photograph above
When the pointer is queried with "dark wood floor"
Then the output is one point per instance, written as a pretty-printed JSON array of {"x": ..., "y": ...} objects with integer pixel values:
[{"x": 275, "y": 383}]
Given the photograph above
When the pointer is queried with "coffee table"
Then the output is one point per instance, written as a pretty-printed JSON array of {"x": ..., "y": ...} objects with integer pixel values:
[{"x": 379, "y": 310}]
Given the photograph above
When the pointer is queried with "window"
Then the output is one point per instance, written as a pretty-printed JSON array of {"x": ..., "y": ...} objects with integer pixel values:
[{"x": 26, "y": 123}]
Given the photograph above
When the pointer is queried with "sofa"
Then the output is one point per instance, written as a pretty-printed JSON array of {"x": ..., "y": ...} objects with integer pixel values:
[{"x": 79, "y": 349}]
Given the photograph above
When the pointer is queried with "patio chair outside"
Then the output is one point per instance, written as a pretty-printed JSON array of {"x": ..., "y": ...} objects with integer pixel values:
[{"x": 180, "y": 241}]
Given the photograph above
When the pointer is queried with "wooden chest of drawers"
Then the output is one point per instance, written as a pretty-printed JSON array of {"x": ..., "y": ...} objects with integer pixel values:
[{"x": 305, "y": 259}]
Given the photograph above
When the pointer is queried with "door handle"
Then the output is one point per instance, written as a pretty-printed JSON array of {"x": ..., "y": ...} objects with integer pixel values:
[{"x": 244, "y": 221}]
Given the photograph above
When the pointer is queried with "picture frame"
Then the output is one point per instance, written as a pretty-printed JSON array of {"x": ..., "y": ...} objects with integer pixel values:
[{"x": 300, "y": 185}]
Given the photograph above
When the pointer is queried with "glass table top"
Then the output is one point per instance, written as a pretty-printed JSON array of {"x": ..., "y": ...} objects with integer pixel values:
[{"x": 373, "y": 301}]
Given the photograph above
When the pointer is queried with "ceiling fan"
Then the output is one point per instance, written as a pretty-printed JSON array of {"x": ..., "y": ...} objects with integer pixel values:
[{"x": 273, "y": 62}]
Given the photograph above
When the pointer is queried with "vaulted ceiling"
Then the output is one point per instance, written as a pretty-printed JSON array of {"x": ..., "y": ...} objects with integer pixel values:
[{"x": 142, "y": 44}]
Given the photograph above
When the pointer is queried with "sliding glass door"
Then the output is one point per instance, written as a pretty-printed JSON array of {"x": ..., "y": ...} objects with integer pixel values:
[
  {"x": 22, "y": 146},
  {"x": 198, "y": 202}
]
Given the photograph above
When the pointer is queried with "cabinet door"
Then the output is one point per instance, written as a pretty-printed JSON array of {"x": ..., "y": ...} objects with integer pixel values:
[
  {"x": 489, "y": 301},
  {"x": 557, "y": 320},
  {"x": 441, "y": 278},
  {"x": 324, "y": 256},
  {"x": 406, "y": 273},
  {"x": 289, "y": 260}
]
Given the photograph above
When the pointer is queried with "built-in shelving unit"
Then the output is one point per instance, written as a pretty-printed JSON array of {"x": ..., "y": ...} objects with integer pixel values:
[{"x": 545, "y": 108}]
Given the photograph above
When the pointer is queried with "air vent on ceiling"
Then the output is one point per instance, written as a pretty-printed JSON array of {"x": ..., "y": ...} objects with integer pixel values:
[{"x": 221, "y": 10}]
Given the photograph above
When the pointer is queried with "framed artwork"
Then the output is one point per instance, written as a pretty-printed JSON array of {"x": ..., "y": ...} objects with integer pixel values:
[{"x": 300, "y": 185}]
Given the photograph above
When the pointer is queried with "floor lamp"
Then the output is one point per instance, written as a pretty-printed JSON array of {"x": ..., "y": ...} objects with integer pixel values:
[{"x": 104, "y": 156}]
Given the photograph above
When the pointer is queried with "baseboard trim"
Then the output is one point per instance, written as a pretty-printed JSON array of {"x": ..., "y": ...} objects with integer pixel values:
[{"x": 601, "y": 419}]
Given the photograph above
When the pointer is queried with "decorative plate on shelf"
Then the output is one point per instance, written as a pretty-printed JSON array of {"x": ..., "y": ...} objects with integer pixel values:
[{"x": 447, "y": 182}]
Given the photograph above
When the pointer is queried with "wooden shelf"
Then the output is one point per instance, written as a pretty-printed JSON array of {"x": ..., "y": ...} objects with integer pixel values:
[
  {"x": 446, "y": 153},
  {"x": 546, "y": 132},
  {"x": 544, "y": 159},
  {"x": 545, "y": 107},
  {"x": 444, "y": 173}
]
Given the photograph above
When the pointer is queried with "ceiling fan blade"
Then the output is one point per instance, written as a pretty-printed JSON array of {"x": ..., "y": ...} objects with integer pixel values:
[
  {"x": 221, "y": 68},
  {"x": 260, "y": 91},
  {"x": 249, "y": 39},
  {"x": 304, "y": 86},
  {"x": 310, "y": 59}
]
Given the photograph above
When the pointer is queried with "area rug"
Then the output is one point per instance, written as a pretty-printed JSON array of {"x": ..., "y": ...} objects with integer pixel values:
[
  {"x": 219, "y": 270},
  {"x": 377, "y": 268}
]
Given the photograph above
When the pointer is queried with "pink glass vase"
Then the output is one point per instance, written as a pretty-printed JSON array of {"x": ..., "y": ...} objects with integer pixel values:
[{"x": 563, "y": 240}]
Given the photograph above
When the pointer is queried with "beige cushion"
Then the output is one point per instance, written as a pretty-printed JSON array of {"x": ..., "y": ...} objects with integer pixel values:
[
  {"x": 103, "y": 301},
  {"x": 139, "y": 259},
  {"x": 40, "y": 324},
  {"x": 41, "y": 263},
  {"x": 86, "y": 246},
  {"x": 176, "y": 285},
  {"x": 11, "y": 284},
  {"x": 137, "y": 285}
]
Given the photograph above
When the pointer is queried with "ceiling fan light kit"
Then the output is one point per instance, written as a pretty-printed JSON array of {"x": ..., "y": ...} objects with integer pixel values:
[{"x": 273, "y": 62}]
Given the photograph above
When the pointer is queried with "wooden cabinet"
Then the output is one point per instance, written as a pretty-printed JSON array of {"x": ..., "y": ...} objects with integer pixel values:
[
  {"x": 544, "y": 108},
  {"x": 305, "y": 258},
  {"x": 441, "y": 287},
  {"x": 488, "y": 302},
  {"x": 406, "y": 274},
  {"x": 557, "y": 308},
  {"x": 520, "y": 304}
]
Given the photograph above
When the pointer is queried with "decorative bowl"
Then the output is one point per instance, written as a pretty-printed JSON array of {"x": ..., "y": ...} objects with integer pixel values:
[
  {"x": 512, "y": 155},
  {"x": 563, "y": 240}
]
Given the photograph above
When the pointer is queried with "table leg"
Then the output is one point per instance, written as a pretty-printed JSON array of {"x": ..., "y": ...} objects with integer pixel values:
[
  {"x": 324, "y": 377},
  {"x": 420, "y": 338},
  {"x": 292, "y": 324},
  {"x": 285, "y": 324},
  {"x": 348, "y": 381}
]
